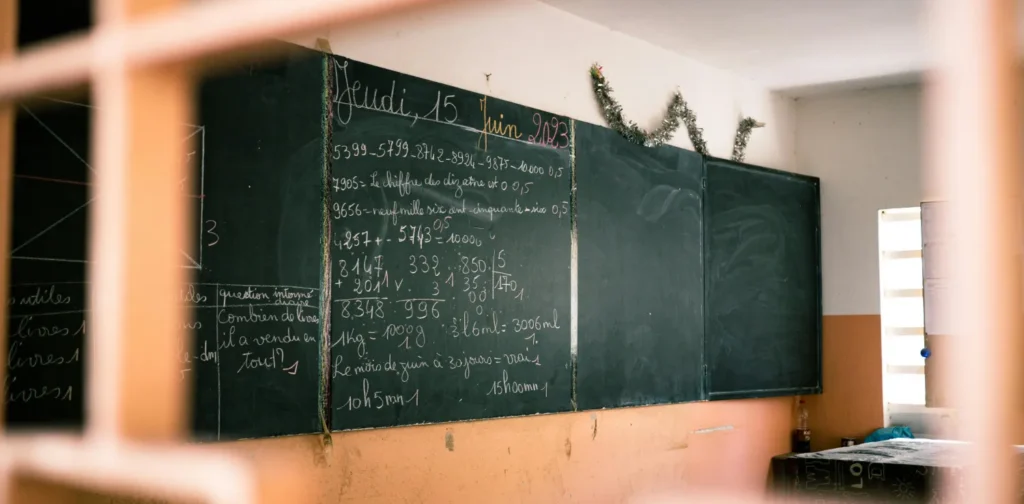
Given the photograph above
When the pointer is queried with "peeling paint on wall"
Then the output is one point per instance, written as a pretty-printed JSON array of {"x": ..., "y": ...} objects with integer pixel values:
[
  {"x": 709, "y": 430},
  {"x": 449, "y": 441}
]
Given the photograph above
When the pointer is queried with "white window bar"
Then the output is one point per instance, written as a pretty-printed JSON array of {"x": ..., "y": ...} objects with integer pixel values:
[{"x": 902, "y": 309}]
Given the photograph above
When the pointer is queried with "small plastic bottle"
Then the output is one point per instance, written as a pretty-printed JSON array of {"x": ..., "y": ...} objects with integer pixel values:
[{"x": 802, "y": 433}]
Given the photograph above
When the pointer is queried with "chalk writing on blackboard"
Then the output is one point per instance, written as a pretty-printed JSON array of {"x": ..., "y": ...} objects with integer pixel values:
[
  {"x": 449, "y": 253},
  {"x": 428, "y": 291},
  {"x": 45, "y": 346},
  {"x": 352, "y": 94}
]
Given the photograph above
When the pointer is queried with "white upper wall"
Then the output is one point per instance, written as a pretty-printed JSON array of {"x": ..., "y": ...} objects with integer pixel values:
[
  {"x": 768, "y": 41},
  {"x": 539, "y": 56},
  {"x": 866, "y": 148}
]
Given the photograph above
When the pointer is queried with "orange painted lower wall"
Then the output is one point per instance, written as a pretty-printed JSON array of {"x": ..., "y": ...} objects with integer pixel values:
[
  {"x": 851, "y": 402},
  {"x": 649, "y": 454},
  {"x": 623, "y": 455}
]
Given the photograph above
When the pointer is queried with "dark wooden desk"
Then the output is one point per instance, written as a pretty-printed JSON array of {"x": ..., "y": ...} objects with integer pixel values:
[{"x": 897, "y": 470}]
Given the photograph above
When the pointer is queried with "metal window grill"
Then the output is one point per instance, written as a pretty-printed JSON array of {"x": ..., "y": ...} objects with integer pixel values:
[{"x": 133, "y": 441}]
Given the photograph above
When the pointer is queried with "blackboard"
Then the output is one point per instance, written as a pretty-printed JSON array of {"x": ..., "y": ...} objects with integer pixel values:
[
  {"x": 51, "y": 286},
  {"x": 258, "y": 160},
  {"x": 451, "y": 236},
  {"x": 37, "y": 22},
  {"x": 374, "y": 250},
  {"x": 763, "y": 274},
  {"x": 641, "y": 289},
  {"x": 261, "y": 200},
  {"x": 46, "y": 346}
]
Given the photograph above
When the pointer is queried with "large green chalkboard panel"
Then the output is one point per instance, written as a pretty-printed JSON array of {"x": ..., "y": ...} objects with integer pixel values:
[
  {"x": 259, "y": 252},
  {"x": 451, "y": 237},
  {"x": 46, "y": 344},
  {"x": 45, "y": 331},
  {"x": 763, "y": 323},
  {"x": 641, "y": 289},
  {"x": 257, "y": 161}
]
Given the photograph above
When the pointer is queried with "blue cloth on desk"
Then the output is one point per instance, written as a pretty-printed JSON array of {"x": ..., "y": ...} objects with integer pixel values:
[{"x": 889, "y": 433}]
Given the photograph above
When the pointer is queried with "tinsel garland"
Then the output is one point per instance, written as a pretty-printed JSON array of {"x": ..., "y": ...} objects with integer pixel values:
[
  {"x": 678, "y": 111},
  {"x": 739, "y": 145}
]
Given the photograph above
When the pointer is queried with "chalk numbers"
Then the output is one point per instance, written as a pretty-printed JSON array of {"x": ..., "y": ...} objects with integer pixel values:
[
  {"x": 560, "y": 210},
  {"x": 423, "y": 264},
  {"x": 211, "y": 236},
  {"x": 345, "y": 210},
  {"x": 554, "y": 132}
]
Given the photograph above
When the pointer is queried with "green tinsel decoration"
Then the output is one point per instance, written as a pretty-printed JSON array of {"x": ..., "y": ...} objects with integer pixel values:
[
  {"x": 739, "y": 145},
  {"x": 678, "y": 111},
  {"x": 696, "y": 134}
]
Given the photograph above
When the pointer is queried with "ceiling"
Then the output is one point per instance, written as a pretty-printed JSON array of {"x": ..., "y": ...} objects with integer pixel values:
[{"x": 796, "y": 46}]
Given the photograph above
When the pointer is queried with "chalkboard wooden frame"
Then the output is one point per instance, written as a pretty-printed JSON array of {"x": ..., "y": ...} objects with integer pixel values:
[{"x": 711, "y": 395}]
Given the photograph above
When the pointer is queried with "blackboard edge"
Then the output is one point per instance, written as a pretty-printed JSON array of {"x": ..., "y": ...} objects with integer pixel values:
[
  {"x": 810, "y": 179},
  {"x": 326, "y": 260},
  {"x": 821, "y": 305},
  {"x": 705, "y": 250},
  {"x": 765, "y": 393},
  {"x": 420, "y": 424},
  {"x": 194, "y": 441},
  {"x": 574, "y": 273},
  {"x": 462, "y": 421},
  {"x": 669, "y": 402}
]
